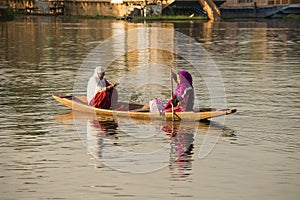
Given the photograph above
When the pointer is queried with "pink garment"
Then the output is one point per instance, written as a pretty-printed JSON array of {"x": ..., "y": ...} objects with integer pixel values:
[{"x": 184, "y": 95}]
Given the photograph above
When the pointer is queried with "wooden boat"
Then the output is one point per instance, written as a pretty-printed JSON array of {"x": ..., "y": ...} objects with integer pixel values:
[{"x": 138, "y": 111}]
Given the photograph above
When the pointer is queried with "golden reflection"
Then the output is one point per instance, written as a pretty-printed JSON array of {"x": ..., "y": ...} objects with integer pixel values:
[
  {"x": 40, "y": 39},
  {"x": 103, "y": 135},
  {"x": 200, "y": 127}
]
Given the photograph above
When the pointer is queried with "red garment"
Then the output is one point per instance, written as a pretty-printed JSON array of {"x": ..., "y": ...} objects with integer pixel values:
[
  {"x": 105, "y": 99},
  {"x": 175, "y": 109}
]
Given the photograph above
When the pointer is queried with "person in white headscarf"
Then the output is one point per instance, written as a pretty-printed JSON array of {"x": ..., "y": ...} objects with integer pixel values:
[{"x": 100, "y": 93}]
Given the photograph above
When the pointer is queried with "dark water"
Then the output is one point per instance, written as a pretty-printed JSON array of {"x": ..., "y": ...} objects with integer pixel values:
[{"x": 48, "y": 152}]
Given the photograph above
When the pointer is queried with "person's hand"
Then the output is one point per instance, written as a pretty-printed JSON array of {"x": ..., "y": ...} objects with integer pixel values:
[
  {"x": 115, "y": 84},
  {"x": 101, "y": 89},
  {"x": 112, "y": 86}
]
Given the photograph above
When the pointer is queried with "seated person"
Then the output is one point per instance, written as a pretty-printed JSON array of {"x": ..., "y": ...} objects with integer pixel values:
[
  {"x": 183, "y": 99},
  {"x": 100, "y": 93}
]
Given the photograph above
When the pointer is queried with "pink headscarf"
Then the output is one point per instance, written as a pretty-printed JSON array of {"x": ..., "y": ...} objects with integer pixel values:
[{"x": 186, "y": 81}]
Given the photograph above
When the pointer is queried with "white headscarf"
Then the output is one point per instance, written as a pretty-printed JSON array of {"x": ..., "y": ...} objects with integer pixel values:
[{"x": 95, "y": 84}]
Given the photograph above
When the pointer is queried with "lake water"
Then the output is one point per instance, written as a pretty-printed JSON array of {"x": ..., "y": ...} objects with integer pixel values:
[{"x": 49, "y": 152}]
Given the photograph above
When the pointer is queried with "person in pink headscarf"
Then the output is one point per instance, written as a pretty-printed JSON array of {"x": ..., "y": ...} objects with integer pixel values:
[{"x": 183, "y": 98}]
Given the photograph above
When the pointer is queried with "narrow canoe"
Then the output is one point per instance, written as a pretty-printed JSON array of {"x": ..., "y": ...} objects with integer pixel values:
[{"x": 138, "y": 111}]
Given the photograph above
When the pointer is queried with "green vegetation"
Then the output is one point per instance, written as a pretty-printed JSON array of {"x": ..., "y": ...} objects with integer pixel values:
[
  {"x": 292, "y": 17},
  {"x": 87, "y": 17},
  {"x": 141, "y": 18},
  {"x": 167, "y": 17},
  {"x": 6, "y": 14}
]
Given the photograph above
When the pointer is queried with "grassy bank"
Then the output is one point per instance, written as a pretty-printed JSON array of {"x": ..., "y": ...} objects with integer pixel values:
[
  {"x": 7, "y": 14},
  {"x": 292, "y": 17},
  {"x": 167, "y": 17},
  {"x": 86, "y": 17}
]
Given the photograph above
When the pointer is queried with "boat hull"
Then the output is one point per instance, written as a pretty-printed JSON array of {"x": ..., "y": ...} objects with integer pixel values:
[{"x": 136, "y": 111}]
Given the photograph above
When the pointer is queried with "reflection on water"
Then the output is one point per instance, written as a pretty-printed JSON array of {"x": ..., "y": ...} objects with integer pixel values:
[
  {"x": 123, "y": 143},
  {"x": 44, "y": 158},
  {"x": 182, "y": 149}
]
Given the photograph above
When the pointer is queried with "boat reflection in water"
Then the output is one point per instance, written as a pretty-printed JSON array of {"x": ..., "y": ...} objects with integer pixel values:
[
  {"x": 97, "y": 132},
  {"x": 140, "y": 146},
  {"x": 182, "y": 149}
]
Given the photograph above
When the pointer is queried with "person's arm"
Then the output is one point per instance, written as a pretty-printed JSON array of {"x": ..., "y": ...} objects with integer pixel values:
[
  {"x": 111, "y": 86},
  {"x": 108, "y": 87}
]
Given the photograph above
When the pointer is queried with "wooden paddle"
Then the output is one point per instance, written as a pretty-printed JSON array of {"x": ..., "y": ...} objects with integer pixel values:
[
  {"x": 173, "y": 111},
  {"x": 171, "y": 80}
]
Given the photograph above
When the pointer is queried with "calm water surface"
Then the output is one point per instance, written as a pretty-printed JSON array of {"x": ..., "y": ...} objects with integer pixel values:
[{"x": 48, "y": 152}]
